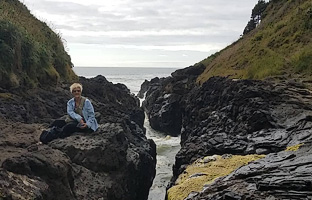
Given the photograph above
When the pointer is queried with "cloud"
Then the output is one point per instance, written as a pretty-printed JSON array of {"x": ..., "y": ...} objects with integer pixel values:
[
  {"x": 173, "y": 25},
  {"x": 145, "y": 15}
]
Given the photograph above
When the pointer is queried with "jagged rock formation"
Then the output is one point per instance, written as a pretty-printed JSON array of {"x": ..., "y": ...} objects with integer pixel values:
[
  {"x": 163, "y": 96},
  {"x": 242, "y": 117},
  {"x": 225, "y": 116},
  {"x": 283, "y": 175},
  {"x": 143, "y": 89},
  {"x": 115, "y": 162}
]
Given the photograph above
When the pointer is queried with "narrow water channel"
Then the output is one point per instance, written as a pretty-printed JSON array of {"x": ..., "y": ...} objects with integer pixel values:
[{"x": 167, "y": 148}]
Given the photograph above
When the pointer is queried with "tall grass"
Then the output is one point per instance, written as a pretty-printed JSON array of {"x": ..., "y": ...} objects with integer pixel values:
[
  {"x": 29, "y": 50},
  {"x": 281, "y": 44}
]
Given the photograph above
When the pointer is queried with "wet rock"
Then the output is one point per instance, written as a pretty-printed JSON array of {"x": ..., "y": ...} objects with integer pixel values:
[
  {"x": 144, "y": 87},
  {"x": 241, "y": 117},
  {"x": 163, "y": 99},
  {"x": 237, "y": 117}
]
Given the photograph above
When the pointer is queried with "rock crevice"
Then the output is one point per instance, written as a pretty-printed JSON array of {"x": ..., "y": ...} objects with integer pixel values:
[{"x": 241, "y": 117}]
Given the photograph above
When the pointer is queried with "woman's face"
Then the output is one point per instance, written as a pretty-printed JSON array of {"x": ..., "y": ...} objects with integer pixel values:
[{"x": 76, "y": 92}]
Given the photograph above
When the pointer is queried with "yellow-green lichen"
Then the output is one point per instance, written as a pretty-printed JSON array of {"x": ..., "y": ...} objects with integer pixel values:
[
  {"x": 6, "y": 95},
  {"x": 294, "y": 147},
  {"x": 202, "y": 172}
]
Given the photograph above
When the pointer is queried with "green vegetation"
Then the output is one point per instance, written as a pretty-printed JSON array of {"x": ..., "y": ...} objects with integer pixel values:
[
  {"x": 31, "y": 54},
  {"x": 302, "y": 60},
  {"x": 280, "y": 45}
]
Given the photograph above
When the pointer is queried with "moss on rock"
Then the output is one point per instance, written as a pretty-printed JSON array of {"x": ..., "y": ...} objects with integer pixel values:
[
  {"x": 205, "y": 171},
  {"x": 6, "y": 95},
  {"x": 294, "y": 147}
]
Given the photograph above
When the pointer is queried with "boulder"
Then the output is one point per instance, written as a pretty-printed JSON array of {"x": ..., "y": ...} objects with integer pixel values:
[
  {"x": 238, "y": 117},
  {"x": 242, "y": 117},
  {"x": 163, "y": 102},
  {"x": 143, "y": 89},
  {"x": 283, "y": 175},
  {"x": 115, "y": 162}
]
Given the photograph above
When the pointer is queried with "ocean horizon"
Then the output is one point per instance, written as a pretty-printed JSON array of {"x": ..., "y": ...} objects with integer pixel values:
[{"x": 132, "y": 77}]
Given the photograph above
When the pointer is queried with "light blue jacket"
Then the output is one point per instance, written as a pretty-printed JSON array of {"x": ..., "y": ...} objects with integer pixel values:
[{"x": 87, "y": 112}]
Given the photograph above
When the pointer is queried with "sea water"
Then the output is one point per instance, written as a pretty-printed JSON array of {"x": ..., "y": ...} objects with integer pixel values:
[
  {"x": 132, "y": 77},
  {"x": 167, "y": 147}
]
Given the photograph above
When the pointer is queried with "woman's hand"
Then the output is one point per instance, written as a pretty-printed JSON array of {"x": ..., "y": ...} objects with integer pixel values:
[{"x": 83, "y": 126}]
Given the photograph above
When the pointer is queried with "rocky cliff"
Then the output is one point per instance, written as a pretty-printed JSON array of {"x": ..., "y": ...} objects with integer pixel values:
[
  {"x": 243, "y": 139},
  {"x": 163, "y": 99},
  {"x": 237, "y": 117},
  {"x": 115, "y": 162}
]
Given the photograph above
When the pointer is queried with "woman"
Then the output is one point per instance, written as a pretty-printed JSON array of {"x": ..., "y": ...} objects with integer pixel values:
[{"x": 81, "y": 117}]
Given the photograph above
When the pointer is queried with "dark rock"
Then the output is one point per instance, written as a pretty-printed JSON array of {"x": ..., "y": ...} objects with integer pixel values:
[
  {"x": 144, "y": 87},
  {"x": 41, "y": 105},
  {"x": 283, "y": 175},
  {"x": 168, "y": 119},
  {"x": 195, "y": 70},
  {"x": 225, "y": 116},
  {"x": 163, "y": 99},
  {"x": 116, "y": 162},
  {"x": 50, "y": 165},
  {"x": 34, "y": 189},
  {"x": 241, "y": 117}
]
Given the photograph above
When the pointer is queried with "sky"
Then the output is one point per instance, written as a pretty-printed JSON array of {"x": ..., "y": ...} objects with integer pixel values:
[{"x": 143, "y": 33}]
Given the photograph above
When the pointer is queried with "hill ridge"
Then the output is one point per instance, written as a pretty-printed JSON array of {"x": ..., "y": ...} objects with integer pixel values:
[
  {"x": 32, "y": 54},
  {"x": 280, "y": 45}
]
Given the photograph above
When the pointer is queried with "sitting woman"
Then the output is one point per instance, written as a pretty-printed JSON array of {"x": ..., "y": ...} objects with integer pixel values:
[{"x": 81, "y": 117}]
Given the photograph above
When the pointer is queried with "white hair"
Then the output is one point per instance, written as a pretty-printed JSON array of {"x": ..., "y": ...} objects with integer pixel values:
[{"x": 75, "y": 85}]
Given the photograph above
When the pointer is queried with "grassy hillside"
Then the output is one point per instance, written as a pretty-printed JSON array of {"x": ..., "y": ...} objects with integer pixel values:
[
  {"x": 31, "y": 54},
  {"x": 280, "y": 45}
]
